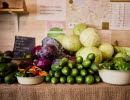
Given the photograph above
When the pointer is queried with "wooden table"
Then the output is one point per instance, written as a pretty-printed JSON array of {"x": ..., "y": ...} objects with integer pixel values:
[{"x": 47, "y": 91}]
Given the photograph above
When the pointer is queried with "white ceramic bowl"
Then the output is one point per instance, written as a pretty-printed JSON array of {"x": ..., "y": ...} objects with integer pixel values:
[
  {"x": 115, "y": 77},
  {"x": 30, "y": 80}
]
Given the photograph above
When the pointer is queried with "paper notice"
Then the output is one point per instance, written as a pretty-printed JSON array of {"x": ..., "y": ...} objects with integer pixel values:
[
  {"x": 120, "y": 16},
  {"x": 51, "y": 10},
  {"x": 55, "y": 28}
]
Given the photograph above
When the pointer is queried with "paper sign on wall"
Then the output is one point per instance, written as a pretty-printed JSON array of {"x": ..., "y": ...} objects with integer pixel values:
[
  {"x": 51, "y": 10},
  {"x": 54, "y": 28},
  {"x": 120, "y": 16}
]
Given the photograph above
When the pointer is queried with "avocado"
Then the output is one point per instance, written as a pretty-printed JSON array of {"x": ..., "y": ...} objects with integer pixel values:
[
  {"x": 8, "y": 53},
  {"x": 9, "y": 79},
  {"x": 13, "y": 65},
  {"x": 5, "y": 69},
  {"x": 5, "y": 59}
]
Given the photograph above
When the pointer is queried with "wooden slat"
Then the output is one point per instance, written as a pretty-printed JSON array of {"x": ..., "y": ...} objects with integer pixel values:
[{"x": 18, "y": 10}]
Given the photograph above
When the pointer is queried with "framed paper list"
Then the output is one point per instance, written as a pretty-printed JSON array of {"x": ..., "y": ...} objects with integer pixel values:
[{"x": 120, "y": 15}]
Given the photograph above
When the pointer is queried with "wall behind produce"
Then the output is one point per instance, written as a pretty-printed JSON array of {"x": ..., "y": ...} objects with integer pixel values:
[{"x": 31, "y": 27}]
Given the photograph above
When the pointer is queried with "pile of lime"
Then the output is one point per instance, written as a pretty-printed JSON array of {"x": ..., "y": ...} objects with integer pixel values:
[{"x": 70, "y": 72}]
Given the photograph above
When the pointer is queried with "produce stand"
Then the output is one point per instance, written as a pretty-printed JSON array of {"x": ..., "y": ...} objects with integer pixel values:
[{"x": 47, "y": 91}]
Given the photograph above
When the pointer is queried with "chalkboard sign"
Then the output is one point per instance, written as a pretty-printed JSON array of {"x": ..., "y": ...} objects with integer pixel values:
[{"x": 22, "y": 46}]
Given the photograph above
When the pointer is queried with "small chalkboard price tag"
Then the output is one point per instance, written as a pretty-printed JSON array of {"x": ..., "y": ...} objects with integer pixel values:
[{"x": 23, "y": 46}]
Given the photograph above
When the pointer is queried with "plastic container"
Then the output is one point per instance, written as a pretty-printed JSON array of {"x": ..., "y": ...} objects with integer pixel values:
[
  {"x": 30, "y": 80},
  {"x": 115, "y": 77}
]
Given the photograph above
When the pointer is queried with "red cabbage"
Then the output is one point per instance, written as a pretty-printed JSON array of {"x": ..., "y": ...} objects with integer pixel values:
[
  {"x": 49, "y": 52},
  {"x": 43, "y": 63},
  {"x": 73, "y": 59},
  {"x": 35, "y": 52},
  {"x": 24, "y": 64}
]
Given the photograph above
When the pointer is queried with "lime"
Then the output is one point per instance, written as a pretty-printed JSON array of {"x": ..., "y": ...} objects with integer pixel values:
[
  {"x": 89, "y": 79},
  {"x": 63, "y": 62},
  {"x": 97, "y": 78},
  {"x": 86, "y": 63},
  {"x": 91, "y": 57},
  {"x": 94, "y": 66},
  {"x": 79, "y": 59},
  {"x": 54, "y": 80},
  {"x": 83, "y": 72},
  {"x": 65, "y": 70},
  {"x": 56, "y": 67},
  {"x": 63, "y": 79},
  {"x": 70, "y": 79},
  {"x": 71, "y": 64},
  {"x": 48, "y": 79},
  {"x": 57, "y": 74},
  {"x": 79, "y": 66},
  {"x": 74, "y": 72},
  {"x": 51, "y": 73},
  {"x": 79, "y": 79},
  {"x": 90, "y": 71}
]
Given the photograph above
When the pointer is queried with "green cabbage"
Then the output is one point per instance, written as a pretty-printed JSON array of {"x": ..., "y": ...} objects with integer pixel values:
[
  {"x": 71, "y": 42},
  {"x": 59, "y": 38},
  {"x": 84, "y": 51},
  {"x": 90, "y": 37},
  {"x": 125, "y": 50},
  {"x": 123, "y": 55},
  {"x": 107, "y": 50},
  {"x": 79, "y": 28}
]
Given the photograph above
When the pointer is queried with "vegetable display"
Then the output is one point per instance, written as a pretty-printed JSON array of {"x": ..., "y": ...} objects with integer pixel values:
[
  {"x": 81, "y": 71},
  {"x": 69, "y": 59}
]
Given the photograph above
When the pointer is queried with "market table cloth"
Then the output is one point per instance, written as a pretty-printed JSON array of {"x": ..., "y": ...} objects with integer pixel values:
[{"x": 48, "y": 91}]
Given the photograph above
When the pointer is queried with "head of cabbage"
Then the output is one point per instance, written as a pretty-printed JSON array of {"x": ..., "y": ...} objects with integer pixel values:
[
  {"x": 123, "y": 55},
  {"x": 59, "y": 38},
  {"x": 107, "y": 50},
  {"x": 71, "y": 42},
  {"x": 90, "y": 37},
  {"x": 84, "y": 51},
  {"x": 79, "y": 28}
]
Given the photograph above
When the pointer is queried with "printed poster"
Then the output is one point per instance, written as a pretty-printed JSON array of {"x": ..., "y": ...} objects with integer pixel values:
[{"x": 54, "y": 10}]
